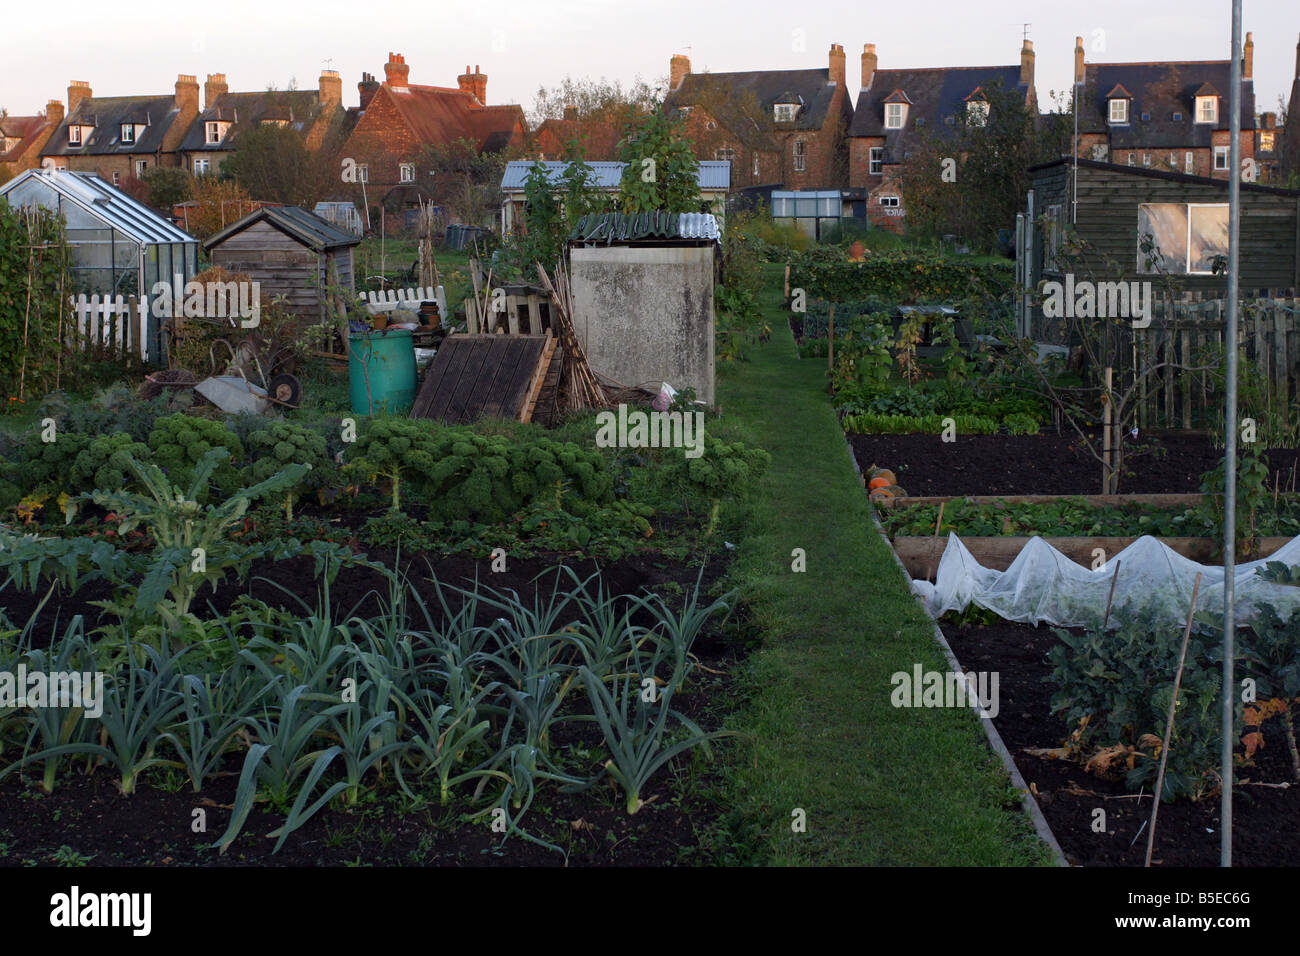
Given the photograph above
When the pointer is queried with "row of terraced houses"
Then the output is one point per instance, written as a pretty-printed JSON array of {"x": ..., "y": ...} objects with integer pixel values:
[{"x": 800, "y": 130}]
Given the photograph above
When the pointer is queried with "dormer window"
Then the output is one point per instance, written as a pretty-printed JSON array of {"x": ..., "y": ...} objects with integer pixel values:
[
  {"x": 128, "y": 133},
  {"x": 785, "y": 112},
  {"x": 1207, "y": 109},
  {"x": 977, "y": 112},
  {"x": 895, "y": 115},
  {"x": 215, "y": 132},
  {"x": 74, "y": 135},
  {"x": 1118, "y": 111},
  {"x": 274, "y": 122}
]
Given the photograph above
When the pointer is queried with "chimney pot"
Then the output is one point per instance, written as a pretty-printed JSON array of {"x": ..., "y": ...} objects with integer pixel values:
[{"x": 869, "y": 64}]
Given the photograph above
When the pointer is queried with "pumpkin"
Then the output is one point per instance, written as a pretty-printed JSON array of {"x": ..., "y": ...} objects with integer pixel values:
[
  {"x": 881, "y": 494},
  {"x": 878, "y": 482},
  {"x": 886, "y": 474},
  {"x": 896, "y": 492}
]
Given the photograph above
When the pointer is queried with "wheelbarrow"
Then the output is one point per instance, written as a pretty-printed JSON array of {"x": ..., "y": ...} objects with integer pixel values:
[{"x": 269, "y": 386}]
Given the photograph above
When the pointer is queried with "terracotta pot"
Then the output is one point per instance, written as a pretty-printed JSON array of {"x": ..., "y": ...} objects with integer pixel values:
[{"x": 379, "y": 321}]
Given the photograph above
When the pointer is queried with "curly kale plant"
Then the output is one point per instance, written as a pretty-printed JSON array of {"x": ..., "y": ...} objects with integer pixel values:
[
  {"x": 723, "y": 470},
  {"x": 179, "y": 442},
  {"x": 275, "y": 448},
  {"x": 394, "y": 449}
]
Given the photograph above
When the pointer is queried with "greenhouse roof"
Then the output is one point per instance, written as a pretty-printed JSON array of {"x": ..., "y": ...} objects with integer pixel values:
[{"x": 97, "y": 198}]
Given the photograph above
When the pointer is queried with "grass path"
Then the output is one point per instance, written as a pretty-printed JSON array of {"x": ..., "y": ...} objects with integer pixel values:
[{"x": 879, "y": 785}]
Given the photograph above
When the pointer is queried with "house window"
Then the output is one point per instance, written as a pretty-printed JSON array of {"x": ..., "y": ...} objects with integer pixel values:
[
  {"x": 1207, "y": 109},
  {"x": 895, "y": 114},
  {"x": 1099, "y": 151},
  {"x": 876, "y": 160},
  {"x": 889, "y": 201},
  {"x": 406, "y": 172},
  {"x": 1188, "y": 238},
  {"x": 1131, "y": 160},
  {"x": 128, "y": 133},
  {"x": 1266, "y": 141},
  {"x": 1118, "y": 110},
  {"x": 800, "y": 155},
  {"x": 363, "y": 173},
  {"x": 1188, "y": 162},
  {"x": 1177, "y": 117},
  {"x": 1146, "y": 159},
  {"x": 1146, "y": 117},
  {"x": 201, "y": 167},
  {"x": 1173, "y": 161},
  {"x": 784, "y": 112},
  {"x": 977, "y": 112},
  {"x": 74, "y": 135},
  {"x": 117, "y": 178},
  {"x": 724, "y": 155},
  {"x": 140, "y": 166},
  {"x": 214, "y": 132},
  {"x": 1221, "y": 157},
  {"x": 756, "y": 165}
]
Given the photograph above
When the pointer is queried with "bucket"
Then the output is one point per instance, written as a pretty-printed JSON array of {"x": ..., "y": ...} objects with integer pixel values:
[{"x": 386, "y": 363}]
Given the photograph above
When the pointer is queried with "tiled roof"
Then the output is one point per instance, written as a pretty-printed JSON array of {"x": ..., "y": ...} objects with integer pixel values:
[
  {"x": 935, "y": 95},
  {"x": 810, "y": 88},
  {"x": 1162, "y": 91},
  {"x": 22, "y": 128},
  {"x": 107, "y": 114},
  {"x": 438, "y": 114}
]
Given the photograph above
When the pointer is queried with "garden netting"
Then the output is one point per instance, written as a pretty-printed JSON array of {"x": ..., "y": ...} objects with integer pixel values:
[{"x": 1044, "y": 586}]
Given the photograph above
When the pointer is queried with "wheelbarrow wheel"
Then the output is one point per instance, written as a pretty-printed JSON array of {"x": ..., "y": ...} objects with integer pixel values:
[{"x": 285, "y": 390}]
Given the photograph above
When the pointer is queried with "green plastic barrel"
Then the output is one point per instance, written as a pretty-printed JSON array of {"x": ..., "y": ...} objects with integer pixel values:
[{"x": 381, "y": 372}]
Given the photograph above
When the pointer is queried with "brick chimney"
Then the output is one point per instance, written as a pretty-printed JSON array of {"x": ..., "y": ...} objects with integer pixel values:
[
  {"x": 1248, "y": 53},
  {"x": 396, "y": 71},
  {"x": 1268, "y": 120},
  {"x": 187, "y": 93},
  {"x": 475, "y": 84},
  {"x": 570, "y": 113},
  {"x": 367, "y": 89},
  {"x": 331, "y": 89},
  {"x": 868, "y": 64},
  {"x": 678, "y": 67},
  {"x": 1078, "y": 60},
  {"x": 54, "y": 112},
  {"x": 1027, "y": 64},
  {"x": 836, "y": 64},
  {"x": 215, "y": 86},
  {"x": 78, "y": 90}
]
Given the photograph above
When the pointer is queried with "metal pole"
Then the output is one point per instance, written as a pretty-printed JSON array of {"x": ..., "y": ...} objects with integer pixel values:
[{"x": 1230, "y": 442}]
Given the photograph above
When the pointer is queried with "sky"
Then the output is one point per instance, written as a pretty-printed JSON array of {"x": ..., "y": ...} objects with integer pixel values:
[{"x": 524, "y": 44}]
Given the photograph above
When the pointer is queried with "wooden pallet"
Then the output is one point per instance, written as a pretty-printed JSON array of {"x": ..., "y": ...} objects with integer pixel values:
[{"x": 484, "y": 376}]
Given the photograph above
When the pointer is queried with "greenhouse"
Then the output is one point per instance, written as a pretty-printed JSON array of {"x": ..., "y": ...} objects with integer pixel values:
[{"x": 119, "y": 246}]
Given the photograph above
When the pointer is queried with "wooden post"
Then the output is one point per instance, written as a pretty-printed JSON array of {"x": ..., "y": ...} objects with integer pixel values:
[
  {"x": 786, "y": 286},
  {"x": 830, "y": 340}
]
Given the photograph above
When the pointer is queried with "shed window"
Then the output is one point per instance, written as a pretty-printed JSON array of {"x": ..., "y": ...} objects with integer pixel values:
[{"x": 1188, "y": 237}]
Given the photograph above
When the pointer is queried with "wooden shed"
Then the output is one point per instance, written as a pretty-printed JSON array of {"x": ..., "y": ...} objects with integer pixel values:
[
  {"x": 291, "y": 252},
  {"x": 1110, "y": 208}
]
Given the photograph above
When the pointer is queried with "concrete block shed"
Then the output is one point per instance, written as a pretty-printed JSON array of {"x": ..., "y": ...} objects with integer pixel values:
[{"x": 643, "y": 297}]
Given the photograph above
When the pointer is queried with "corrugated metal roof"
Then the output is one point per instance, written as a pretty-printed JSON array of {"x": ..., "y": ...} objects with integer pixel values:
[
  {"x": 98, "y": 199},
  {"x": 307, "y": 227},
  {"x": 620, "y": 227},
  {"x": 712, "y": 174}
]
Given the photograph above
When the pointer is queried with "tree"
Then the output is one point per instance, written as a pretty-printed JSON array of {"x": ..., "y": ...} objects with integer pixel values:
[
  {"x": 463, "y": 179},
  {"x": 219, "y": 202},
  {"x": 596, "y": 101},
  {"x": 662, "y": 173},
  {"x": 167, "y": 186},
  {"x": 273, "y": 163}
]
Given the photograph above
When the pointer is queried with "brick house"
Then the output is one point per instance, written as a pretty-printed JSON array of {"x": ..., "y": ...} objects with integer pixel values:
[
  {"x": 398, "y": 120},
  {"x": 1290, "y": 137},
  {"x": 23, "y": 137},
  {"x": 896, "y": 107},
  {"x": 1170, "y": 116},
  {"x": 215, "y": 132},
  {"x": 122, "y": 136},
  {"x": 775, "y": 127},
  {"x": 599, "y": 135}
]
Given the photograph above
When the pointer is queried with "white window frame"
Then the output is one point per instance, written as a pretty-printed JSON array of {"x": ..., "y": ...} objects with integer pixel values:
[
  {"x": 1189, "y": 162},
  {"x": 889, "y": 202},
  {"x": 1118, "y": 111},
  {"x": 1271, "y": 137},
  {"x": 74, "y": 135},
  {"x": 977, "y": 112},
  {"x": 117, "y": 178},
  {"x": 1146, "y": 159},
  {"x": 1221, "y": 153},
  {"x": 784, "y": 112},
  {"x": 799, "y": 153},
  {"x": 895, "y": 115},
  {"x": 1187, "y": 270},
  {"x": 725, "y": 154},
  {"x": 1132, "y": 160},
  {"x": 141, "y": 166},
  {"x": 128, "y": 133},
  {"x": 755, "y": 166},
  {"x": 876, "y": 161},
  {"x": 1207, "y": 109},
  {"x": 213, "y": 133},
  {"x": 406, "y": 172},
  {"x": 202, "y": 167}
]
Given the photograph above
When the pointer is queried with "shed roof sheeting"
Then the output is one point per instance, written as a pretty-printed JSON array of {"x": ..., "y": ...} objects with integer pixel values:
[
  {"x": 307, "y": 227},
  {"x": 712, "y": 174},
  {"x": 97, "y": 198},
  {"x": 621, "y": 227}
]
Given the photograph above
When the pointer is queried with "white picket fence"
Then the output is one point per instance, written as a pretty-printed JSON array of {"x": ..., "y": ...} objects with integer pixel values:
[
  {"x": 392, "y": 299},
  {"x": 112, "y": 324}
]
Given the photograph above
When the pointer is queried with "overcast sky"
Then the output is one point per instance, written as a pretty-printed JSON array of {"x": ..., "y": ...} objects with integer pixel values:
[{"x": 522, "y": 44}]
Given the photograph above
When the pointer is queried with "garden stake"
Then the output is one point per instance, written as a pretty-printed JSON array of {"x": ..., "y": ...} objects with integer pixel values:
[
  {"x": 1169, "y": 725},
  {"x": 934, "y": 541},
  {"x": 1110, "y": 597},
  {"x": 830, "y": 341}
]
